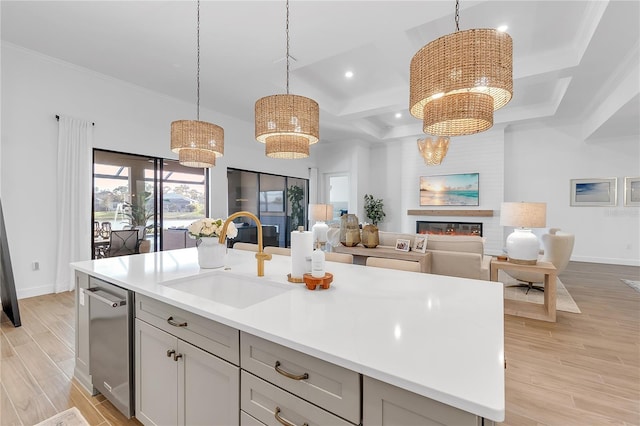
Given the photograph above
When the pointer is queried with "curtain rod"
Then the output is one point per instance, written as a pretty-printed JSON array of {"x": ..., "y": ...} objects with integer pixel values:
[{"x": 58, "y": 118}]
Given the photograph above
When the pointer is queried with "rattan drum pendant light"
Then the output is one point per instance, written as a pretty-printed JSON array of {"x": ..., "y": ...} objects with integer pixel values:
[
  {"x": 197, "y": 143},
  {"x": 458, "y": 80},
  {"x": 287, "y": 124}
]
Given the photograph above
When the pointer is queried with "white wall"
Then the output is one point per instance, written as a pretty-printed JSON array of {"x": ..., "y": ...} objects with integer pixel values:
[
  {"x": 127, "y": 118},
  {"x": 540, "y": 163},
  {"x": 400, "y": 167}
]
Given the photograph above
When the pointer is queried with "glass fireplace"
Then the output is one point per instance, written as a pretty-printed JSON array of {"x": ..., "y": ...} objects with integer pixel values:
[{"x": 449, "y": 228}]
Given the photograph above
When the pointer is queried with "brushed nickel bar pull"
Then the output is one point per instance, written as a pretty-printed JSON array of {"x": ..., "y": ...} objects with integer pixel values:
[
  {"x": 114, "y": 303},
  {"x": 289, "y": 375},
  {"x": 283, "y": 421},
  {"x": 176, "y": 324}
]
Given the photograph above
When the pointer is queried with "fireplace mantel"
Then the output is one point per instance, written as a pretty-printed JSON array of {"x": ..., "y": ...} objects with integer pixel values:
[{"x": 476, "y": 213}]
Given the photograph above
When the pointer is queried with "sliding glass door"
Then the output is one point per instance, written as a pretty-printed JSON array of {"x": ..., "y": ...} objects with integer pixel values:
[
  {"x": 280, "y": 202},
  {"x": 158, "y": 197}
]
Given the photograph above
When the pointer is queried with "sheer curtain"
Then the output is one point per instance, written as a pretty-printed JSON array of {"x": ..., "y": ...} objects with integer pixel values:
[{"x": 74, "y": 180}]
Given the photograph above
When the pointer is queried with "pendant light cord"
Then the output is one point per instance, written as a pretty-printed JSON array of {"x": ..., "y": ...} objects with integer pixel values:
[
  {"x": 287, "y": 31},
  {"x": 457, "y": 15},
  {"x": 198, "y": 67}
]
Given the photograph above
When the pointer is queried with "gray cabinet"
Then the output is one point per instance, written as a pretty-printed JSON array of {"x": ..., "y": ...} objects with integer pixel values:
[
  {"x": 385, "y": 404},
  {"x": 179, "y": 383},
  {"x": 81, "y": 369}
]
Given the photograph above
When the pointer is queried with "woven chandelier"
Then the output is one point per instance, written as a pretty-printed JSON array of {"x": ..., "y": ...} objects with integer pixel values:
[
  {"x": 197, "y": 143},
  {"x": 457, "y": 81},
  {"x": 287, "y": 124},
  {"x": 433, "y": 150}
]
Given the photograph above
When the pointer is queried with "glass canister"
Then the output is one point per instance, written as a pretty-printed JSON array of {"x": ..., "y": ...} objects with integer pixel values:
[
  {"x": 370, "y": 238},
  {"x": 349, "y": 230}
]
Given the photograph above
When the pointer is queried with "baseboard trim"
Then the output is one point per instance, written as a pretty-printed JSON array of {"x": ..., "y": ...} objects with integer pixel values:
[
  {"x": 606, "y": 261},
  {"x": 34, "y": 291}
]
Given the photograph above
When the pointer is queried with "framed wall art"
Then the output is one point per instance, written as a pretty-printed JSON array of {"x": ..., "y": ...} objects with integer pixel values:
[
  {"x": 632, "y": 191},
  {"x": 450, "y": 190},
  {"x": 594, "y": 192}
]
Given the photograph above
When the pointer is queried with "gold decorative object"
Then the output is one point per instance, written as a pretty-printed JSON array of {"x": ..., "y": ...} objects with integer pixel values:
[
  {"x": 433, "y": 150},
  {"x": 458, "y": 80},
  {"x": 370, "y": 237},
  {"x": 287, "y": 124},
  {"x": 196, "y": 142},
  {"x": 349, "y": 230}
]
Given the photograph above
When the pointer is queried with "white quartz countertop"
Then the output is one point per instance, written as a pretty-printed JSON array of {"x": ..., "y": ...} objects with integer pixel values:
[{"x": 440, "y": 337}]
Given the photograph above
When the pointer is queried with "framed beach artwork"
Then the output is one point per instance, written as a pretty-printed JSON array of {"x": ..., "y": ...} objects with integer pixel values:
[
  {"x": 450, "y": 190},
  {"x": 594, "y": 192},
  {"x": 632, "y": 191}
]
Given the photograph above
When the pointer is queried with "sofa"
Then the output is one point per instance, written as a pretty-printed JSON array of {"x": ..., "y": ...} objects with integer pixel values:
[{"x": 452, "y": 255}]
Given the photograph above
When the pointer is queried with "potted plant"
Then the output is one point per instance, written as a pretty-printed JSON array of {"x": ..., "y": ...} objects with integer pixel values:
[
  {"x": 373, "y": 210},
  {"x": 295, "y": 194}
]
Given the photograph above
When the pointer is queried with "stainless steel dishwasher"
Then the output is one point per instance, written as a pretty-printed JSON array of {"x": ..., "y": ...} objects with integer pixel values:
[{"x": 111, "y": 343}]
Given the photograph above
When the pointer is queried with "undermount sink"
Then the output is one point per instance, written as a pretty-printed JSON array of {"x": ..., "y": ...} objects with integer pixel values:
[{"x": 230, "y": 289}]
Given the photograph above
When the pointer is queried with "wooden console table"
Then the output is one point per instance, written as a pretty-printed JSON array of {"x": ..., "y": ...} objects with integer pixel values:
[
  {"x": 546, "y": 312},
  {"x": 424, "y": 259}
]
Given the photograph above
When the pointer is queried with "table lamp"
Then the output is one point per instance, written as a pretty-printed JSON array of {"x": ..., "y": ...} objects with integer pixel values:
[
  {"x": 320, "y": 213},
  {"x": 522, "y": 244}
]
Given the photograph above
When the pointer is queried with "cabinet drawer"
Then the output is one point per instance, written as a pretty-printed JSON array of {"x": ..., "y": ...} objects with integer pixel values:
[
  {"x": 265, "y": 401},
  {"x": 213, "y": 337},
  {"x": 329, "y": 386},
  {"x": 247, "y": 420}
]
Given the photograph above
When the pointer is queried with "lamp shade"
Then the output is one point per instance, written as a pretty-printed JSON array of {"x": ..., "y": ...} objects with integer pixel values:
[
  {"x": 202, "y": 140},
  {"x": 320, "y": 212},
  {"x": 462, "y": 64},
  {"x": 524, "y": 215},
  {"x": 287, "y": 124}
]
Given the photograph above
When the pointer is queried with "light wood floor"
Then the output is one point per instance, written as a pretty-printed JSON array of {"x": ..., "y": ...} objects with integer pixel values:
[{"x": 582, "y": 370}]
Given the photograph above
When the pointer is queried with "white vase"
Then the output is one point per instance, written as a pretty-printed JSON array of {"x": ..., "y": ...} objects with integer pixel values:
[{"x": 211, "y": 254}]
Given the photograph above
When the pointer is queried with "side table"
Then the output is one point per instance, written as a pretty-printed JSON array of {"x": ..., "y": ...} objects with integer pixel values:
[{"x": 546, "y": 312}]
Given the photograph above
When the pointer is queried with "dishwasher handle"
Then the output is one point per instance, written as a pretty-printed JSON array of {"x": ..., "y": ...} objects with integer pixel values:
[{"x": 104, "y": 297}]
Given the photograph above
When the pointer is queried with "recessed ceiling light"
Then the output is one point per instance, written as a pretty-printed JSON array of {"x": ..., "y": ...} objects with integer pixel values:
[
  {"x": 348, "y": 74},
  {"x": 398, "y": 114},
  {"x": 502, "y": 28}
]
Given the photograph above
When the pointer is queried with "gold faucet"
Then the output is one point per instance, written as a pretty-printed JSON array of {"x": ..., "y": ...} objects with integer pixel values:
[{"x": 260, "y": 255}]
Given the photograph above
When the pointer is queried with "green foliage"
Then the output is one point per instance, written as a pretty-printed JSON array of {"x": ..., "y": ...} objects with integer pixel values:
[
  {"x": 137, "y": 212},
  {"x": 373, "y": 209},
  {"x": 295, "y": 194}
]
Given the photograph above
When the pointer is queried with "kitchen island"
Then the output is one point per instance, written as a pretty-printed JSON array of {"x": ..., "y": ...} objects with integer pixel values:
[{"x": 437, "y": 338}]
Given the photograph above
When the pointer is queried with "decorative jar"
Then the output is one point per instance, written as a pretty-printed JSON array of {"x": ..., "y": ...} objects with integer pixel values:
[
  {"x": 349, "y": 230},
  {"x": 211, "y": 254},
  {"x": 370, "y": 238}
]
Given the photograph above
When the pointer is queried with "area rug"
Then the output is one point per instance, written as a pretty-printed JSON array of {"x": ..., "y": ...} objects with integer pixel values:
[
  {"x": 564, "y": 301},
  {"x": 69, "y": 417},
  {"x": 633, "y": 284}
]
